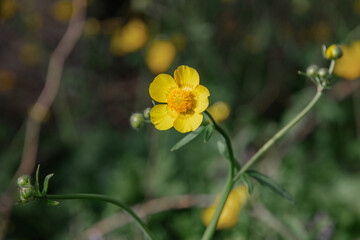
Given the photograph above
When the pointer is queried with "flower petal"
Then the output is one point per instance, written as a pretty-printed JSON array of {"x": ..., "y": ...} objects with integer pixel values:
[
  {"x": 161, "y": 87},
  {"x": 188, "y": 122},
  {"x": 186, "y": 77},
  {"x": 201, "y": 94},
  {"x": 162, "y": 117}
]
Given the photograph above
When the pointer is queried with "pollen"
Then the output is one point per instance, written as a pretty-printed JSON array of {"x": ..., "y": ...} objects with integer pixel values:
[{"x": 180, "y": 101}]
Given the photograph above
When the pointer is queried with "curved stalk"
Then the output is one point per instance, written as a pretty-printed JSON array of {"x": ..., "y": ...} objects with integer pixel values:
[
  {"x": 128, "y": 210},
  {"x": 279, "y": 134}
]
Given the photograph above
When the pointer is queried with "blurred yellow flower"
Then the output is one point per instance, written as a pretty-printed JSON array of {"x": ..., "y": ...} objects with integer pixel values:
[
  {"x": 179, "y": 41},
  {"x": 30, "y": 54},
  {"x": 160, "y": 55},
  {"x": 321, "y": 32},
  {"x": 356, "y": 7},
  {"x": 184, "y": 99},
  {"x": 62, "y": 10},
  {"x": 230, "y": 213},
  {"x": 7, "y": 80},
  {"x": 348, "y": 66},
  {"x": 220, "y": 111},
  {"x": 7, "y": 9},
  {"x": 129, "y": 38},
  {"x": 92, "y": 27},
  {"x": 33, "y": 21}
]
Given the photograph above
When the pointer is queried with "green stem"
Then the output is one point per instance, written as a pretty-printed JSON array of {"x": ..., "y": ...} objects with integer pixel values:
[
  {"x": 332, "y": 65},
  {"x": 210, "y": 230},
  {"x": 279, "y": 134},
  {"x": 141, "y": 224}
]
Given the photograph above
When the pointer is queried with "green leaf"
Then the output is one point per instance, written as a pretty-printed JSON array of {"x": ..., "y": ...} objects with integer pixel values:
[
  {"x": 247, "y": 181},
  {"x": 46, "y": 184},
  {"x": 209, "y": 129},
  {"x": 268, "y": 182},
  {"x": 223, "y": 149},
  {"x": 37, "y": 187},
  {"x": 188, "y": 138}
]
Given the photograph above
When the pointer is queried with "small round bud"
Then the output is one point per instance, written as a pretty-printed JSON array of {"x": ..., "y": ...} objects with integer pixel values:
[
  {"x": 137, "y": 120},
  {"x": 333, "y": 52},
  {"x": 147, "y": 113},
  {"x": 26, "y": 192},
  {"x": 312, "y": 70},
  {"x": 23, "y": 180},
  {"x": 322, "y": 72}
]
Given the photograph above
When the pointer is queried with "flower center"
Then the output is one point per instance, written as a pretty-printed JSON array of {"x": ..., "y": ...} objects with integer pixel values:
[{"x": 180, "y": 100}]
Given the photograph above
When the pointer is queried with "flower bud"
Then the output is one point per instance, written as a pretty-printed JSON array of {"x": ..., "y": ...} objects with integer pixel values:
[
  {"x": 23, "y": 180},
  {"x": 26, "y": 193},
  {"x": 137, "y": 120},
  {"x": 322, "y": 72},
  {"x": 333, "y": 52},
  {"x": 147, "y": 113},
  {"x": 311, "y": 71}
]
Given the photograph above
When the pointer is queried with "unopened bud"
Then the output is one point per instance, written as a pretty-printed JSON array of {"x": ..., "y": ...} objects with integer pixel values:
[
  {"x": 23, "y": 180},
  {"x": 322, "y": 72},
  {"x": 26, "y": 193},
  {"x": 147, "y": 113},
  {"x": 333, "y": 52},
  {"x": 137, "y": 120},
  {"x": 311, "y": 71}
]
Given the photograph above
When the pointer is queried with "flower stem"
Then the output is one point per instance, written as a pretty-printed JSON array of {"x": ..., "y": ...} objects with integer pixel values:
[
  {"x": 210, "y": 230},
  {"x": 332, "y": 65},
  {"x": 279, "y": 134},
  {"x": 128, "y": 210}
]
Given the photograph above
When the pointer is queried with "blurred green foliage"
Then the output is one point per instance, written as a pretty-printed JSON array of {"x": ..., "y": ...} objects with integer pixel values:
[{"x": 247, "y": 53}]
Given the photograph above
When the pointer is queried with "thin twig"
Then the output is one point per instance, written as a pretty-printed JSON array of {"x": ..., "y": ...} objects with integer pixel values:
[{"x": 43, "y": 104}]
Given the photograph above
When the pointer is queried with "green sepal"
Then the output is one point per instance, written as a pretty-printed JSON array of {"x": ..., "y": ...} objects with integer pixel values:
[
  {"x": 268, "y": 182},
  {"x": 209, "y": 129},
  {"x": 46, "y": 184},
  {"x": 37, "y": 187},
  {"x": 188, "y": 138},
  {"x": 247, "y": 181},
  {"x": 51, "y": 202},
  {"x": 223, "y": 149}
]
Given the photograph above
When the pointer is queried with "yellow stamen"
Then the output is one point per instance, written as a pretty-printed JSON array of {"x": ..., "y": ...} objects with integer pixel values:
[{"x": 180, "y": 101}]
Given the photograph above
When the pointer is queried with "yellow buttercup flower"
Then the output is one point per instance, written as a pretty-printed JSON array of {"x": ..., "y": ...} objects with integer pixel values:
[
  {"x": 160, "y": 55},
  {"x": 348, "y": 66},
  {"x": 220, "y": 111},
  {"x": 184, "y": 99},
  {"x": 230, "y": 214}
]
